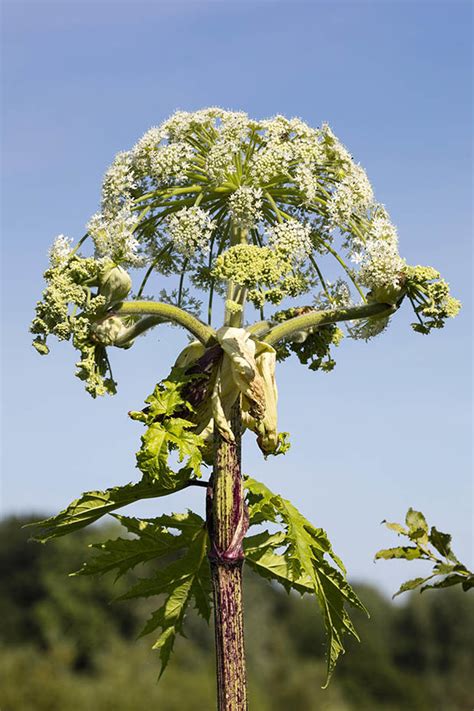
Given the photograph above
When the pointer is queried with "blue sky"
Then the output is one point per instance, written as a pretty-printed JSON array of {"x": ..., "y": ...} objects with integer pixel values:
[{"x": 390, "y": 427}]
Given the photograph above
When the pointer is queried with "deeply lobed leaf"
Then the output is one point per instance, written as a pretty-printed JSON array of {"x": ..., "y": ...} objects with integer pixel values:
[
  {"x": 168, "y": 430},
  {"x": 153, "y": 541},
  {"x": 92, "y": 505},
  {"x": 295, "y": 557},
  {"x": 182, "y": 582}
]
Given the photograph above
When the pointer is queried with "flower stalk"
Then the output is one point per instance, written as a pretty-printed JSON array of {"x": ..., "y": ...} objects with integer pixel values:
[
  {"x": 227, "y": 522},
  {"x": 314, "y": 319},
  {"x": 170, "y": 313}
]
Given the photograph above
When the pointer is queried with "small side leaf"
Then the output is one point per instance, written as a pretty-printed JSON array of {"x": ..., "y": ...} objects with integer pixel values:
[
  {"x": 406, "y": 552},
  {"x": 401, "y": 530},
  {"x": 447, "y": 570},
  {"x": 411, "y": 585},
  {"x": 442, "y": 542},
  {"x": 446, "y": 582},
  {"x": 417, "y": 526}
]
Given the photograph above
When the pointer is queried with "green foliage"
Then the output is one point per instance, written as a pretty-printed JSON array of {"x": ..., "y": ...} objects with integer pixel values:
[
  {"x": 184, "y": 580},
  {"x": 64, "y": 647},
  {"x": 311, "y": 346},
  {"x": 168, "y": 430},
  {"x": 301, "y": 564},
  {"x": 431, "y": 545},
  {"x": 92, "y": 505}
]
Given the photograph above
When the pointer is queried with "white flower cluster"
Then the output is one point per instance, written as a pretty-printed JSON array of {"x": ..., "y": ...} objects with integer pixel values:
[
  {"x": 182, "y": 123},
  {"x": 144, "y": 149},
  {"x": 60, "y": 250},
  {"x": 165, "y": 152},
  {"x": 335, "y": 151},
  {"x": 271, "y": 161},
  {"x": 170, "y": 163},
  {"x": 278, "y": 166},
  {"x": 353, "y": 195},
  {"x": 382, "y": 228},
  {"x": 380, "y": 262},
  {"x": 245, "y": 205},
  {"x": 114, "y": 239},
  {"x": 166, "y": 163},
  {"x": 220, "y": 160},
  {"x": 291, "y": 237},
  {"x": 118, "y": 183},
  {"x": 307, "y": 182},
  {"x": 292, "y": 149},
  {"x": 381, "y": 265},
  {"x": 279, "y": 128},
  {"x": 190, "y": 229},
  {"x": 230, "y": 125},
  {"x": 340, "y": 293},
  {"x": 234, "y": 126}
]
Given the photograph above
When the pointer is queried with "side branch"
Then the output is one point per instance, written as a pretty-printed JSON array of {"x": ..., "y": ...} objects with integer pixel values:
[
  {"x": 144, "y": 324},
  {"x": 320, "y": 318},
  {"x": 165, "y": 313},
  {"x": 260, "y": 328}
]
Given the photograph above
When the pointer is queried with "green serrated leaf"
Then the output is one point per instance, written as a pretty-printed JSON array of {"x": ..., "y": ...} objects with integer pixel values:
[
  {"x": 406, "y": 552},
  {"x": 165, "y": 399},
  {"x": 442, "y": 542},
  {"x": 270, "y": 506},
  {"x": 446, "y": 568},
  {"x": 445, "y": 573},
  {"x": 301, "y": 563},
  {"x": 92, "y": 505},
  {"x": 169, "y": 618},
  {"x": 153, "y": 541},
  {"x": 182, "y": 582},
  {"x": 411, "y": 585},
  {"x": 446, "y": 582},
  {"x": 417, "y": 526},
  {"x": 167, "y": 430},
  {"x": 260, "y": 556},
  {"x": 396, "y": 527},
  {"x": 157, "y": 442}
]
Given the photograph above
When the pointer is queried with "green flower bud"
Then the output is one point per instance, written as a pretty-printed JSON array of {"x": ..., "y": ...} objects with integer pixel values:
[
  {"x": 385, "y": 295},
  {"x": 107, "y": 331},
  {"x": 114, "y": 283},
  {"x": 41, "y": 346}
]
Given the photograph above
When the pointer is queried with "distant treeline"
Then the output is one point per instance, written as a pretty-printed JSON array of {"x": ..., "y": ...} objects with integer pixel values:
[{"x": 65, "y": 647}]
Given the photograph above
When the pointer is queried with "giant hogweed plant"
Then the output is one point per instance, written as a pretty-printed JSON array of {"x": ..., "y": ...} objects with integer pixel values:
[{"x": 274, "y": 220}]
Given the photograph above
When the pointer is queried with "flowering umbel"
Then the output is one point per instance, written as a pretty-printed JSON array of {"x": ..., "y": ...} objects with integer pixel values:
[{"x": 219, "y": 199}]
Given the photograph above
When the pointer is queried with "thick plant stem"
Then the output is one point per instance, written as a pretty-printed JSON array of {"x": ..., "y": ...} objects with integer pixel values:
[
  {"x": 167, "y": 312},
  {"x": 228, "y": 523}
]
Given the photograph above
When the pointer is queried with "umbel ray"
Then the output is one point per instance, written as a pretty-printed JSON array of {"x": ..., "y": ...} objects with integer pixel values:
[{"x": 254, "y": 215}]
